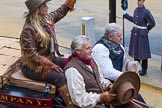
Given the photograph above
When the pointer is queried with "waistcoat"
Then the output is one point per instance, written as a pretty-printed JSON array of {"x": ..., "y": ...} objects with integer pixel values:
[
  {"x": 116, "y": 53},
  {"x": 91, "y": 77}
]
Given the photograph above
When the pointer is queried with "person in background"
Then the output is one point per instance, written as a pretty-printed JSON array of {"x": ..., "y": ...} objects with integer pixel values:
[
  {"x": 109, "y": 54},
  {"x": 41, "y": 59},
  {"x": 139, "y": 47},
  {"x": 87, "y": 86}
]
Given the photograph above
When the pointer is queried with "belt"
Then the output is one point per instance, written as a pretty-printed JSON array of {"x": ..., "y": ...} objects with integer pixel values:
[{"x": 139, "y": 27}]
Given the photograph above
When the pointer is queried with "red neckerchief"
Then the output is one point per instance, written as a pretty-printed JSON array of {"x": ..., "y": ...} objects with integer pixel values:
[
  {"x": 67, "y": 60},
  {"x": 87, "y": 62}
]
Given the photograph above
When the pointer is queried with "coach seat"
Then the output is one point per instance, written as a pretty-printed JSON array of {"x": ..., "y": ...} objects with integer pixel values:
[{"x": 19, "y": 79}]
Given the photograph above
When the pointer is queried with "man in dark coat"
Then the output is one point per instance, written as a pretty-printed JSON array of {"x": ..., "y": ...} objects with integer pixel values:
[{"x": 139, "y": 43}]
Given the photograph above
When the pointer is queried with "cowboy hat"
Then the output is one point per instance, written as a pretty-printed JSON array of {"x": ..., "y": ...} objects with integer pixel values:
[
  {"x": 131, "y": 65},
  {"x": 126, "y": 87},
  {"x": 32, "y": 5}
]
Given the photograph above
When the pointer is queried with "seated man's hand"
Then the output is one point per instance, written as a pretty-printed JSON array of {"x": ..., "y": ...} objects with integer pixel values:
[{"x": 106, "y": 97}]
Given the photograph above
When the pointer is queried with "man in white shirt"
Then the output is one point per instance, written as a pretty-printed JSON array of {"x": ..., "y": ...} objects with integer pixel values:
[
  {"x": 109, "y": 54},
  {"x": 87, "y": 86}
]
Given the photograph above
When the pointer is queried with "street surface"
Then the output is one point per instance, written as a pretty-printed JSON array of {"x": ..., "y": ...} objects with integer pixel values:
[{"x": 152, "y": 96}]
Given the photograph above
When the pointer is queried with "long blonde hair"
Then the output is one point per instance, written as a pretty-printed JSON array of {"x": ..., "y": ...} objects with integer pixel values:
[{"x": 35, "y": 19}]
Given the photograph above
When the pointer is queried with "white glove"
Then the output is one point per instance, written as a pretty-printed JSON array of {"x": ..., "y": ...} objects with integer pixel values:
[{"x": 123, "y": 12}]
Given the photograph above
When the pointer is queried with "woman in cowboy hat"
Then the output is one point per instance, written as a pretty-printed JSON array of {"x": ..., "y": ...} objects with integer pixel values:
[{"x": 39, "y": 46}]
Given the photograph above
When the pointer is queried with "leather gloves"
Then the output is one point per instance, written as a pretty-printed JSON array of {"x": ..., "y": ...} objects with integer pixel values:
[
  {"x": 48, "y": 66},
  {"x": 106, "y": 97},
  {"x": 123, "y": 12},
  {"x": 70, "y": 4}
]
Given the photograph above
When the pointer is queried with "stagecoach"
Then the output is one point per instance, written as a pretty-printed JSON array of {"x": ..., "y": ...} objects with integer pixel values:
[{"x": 17, "y": 91}]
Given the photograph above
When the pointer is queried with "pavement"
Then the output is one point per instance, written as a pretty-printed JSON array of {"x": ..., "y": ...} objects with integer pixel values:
[
  {"x": 153, "y": 78},
  {"x": 151, "y": 83}
]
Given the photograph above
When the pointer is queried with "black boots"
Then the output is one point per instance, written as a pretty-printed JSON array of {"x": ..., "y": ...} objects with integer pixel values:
[
  {"x": 144, "y": 65},
  {"x": 143, "y": 72}
]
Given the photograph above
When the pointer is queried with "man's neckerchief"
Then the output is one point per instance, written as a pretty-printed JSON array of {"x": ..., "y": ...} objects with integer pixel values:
[{"x": 87, "y": 62}]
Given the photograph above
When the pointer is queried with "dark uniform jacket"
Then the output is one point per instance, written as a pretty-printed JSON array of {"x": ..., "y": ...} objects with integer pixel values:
[
  {"x": 139, "y": 43},
  {"x": 31, "y": 46}
]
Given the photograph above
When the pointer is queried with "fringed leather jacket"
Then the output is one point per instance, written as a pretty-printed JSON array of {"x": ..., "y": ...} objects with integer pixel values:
[{"x": 31, "y": 46}]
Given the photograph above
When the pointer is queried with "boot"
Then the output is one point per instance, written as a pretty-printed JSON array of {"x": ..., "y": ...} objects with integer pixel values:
[
  {"x": 70, "y": 4},
  {"x": 144, "y": 67},
  {"x": 143, "y": 72},
  {"x": 63, "y": 91}
]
